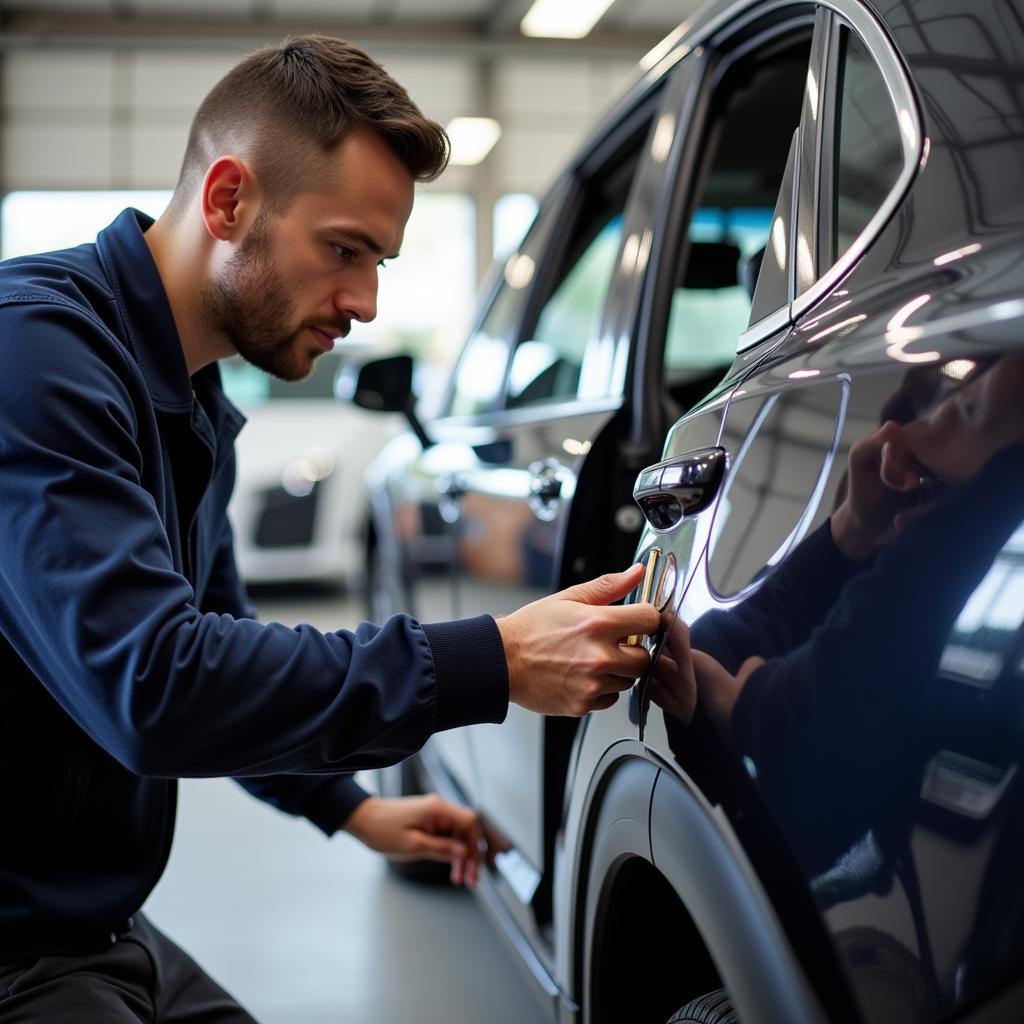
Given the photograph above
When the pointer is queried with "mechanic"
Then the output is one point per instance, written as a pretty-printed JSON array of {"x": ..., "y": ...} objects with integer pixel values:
[{"x": 128, "y": 652}]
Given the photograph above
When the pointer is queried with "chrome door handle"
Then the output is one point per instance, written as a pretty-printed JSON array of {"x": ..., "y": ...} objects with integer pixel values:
[
  {"x": 545, "y": 488},
  {"x": 681, "y": 486},
  {"x": 451, "y": 489}
]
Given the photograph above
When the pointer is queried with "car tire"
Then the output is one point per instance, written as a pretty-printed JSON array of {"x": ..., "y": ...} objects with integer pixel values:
[
  {"x": 712, "y": 1008},
  {"x": 404, "y": 780}
]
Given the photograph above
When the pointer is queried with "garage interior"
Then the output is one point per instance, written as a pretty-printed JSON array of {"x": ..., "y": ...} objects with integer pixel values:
[{"x": 97, "y": 96}]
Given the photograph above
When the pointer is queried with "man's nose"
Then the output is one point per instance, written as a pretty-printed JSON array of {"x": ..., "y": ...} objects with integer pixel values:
[{"x": 358, "y": 300}]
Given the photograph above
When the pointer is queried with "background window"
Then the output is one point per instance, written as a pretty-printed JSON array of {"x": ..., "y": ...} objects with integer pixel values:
[{"x": 869, "y": 153}]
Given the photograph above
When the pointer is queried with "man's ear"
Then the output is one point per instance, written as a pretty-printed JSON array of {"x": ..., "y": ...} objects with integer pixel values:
[{"x": 230, "y": 198}]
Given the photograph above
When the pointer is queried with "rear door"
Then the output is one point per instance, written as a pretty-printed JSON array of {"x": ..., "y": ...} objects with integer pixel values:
[{"x": 520, "y": 476}]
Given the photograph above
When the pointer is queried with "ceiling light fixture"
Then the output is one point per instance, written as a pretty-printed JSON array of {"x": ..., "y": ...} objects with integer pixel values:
[
  {"x": 556, "y": 19},
  {"x": 472, "y": 138}
]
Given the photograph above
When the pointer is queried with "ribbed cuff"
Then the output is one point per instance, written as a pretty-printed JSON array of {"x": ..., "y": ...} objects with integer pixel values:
[
  {"x": 470, "y": 671},
  {"x": 334, "y": 803}
]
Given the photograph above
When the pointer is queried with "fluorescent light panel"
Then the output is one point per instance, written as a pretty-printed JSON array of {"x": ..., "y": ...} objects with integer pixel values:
[
  {"x": 472, "y": 139},
  {"x": 563, "y": 19}
]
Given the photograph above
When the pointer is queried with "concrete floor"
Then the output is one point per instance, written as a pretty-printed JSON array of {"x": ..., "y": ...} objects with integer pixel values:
[{"x": 306, "y": 930}]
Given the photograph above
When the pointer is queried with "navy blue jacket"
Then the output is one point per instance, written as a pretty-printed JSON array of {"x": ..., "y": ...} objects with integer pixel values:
[{"x": 128, "y": 654}]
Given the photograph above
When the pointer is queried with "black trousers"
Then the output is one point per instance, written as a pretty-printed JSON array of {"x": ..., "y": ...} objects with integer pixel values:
[{"x": 143, "y": 977}]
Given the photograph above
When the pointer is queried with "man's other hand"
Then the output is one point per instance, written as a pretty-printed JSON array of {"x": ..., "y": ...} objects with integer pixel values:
[
  {"x": 421, "y": 828},
  {"x": 565, "y": 652}
]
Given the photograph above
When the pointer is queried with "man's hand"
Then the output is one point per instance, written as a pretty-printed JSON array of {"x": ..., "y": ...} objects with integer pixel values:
[
  {"x": 673, "y": 684},
  {"x": 565, "y": 653},
  {"x": 883, "y": 485},
  {"x": 681, "y": 675},
  {"x": 421, "y": 828}
]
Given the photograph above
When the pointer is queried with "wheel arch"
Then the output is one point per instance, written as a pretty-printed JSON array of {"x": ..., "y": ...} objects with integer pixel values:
[{"x": 653, "y": 855}]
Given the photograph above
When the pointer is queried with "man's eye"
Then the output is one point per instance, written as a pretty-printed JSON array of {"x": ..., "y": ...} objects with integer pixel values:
[
  {"x": 344, "y": 253},
  {"x": 382, "y": 263}
]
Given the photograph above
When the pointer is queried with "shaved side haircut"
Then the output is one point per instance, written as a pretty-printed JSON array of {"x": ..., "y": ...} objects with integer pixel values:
[{"x": 284, "y": 108}]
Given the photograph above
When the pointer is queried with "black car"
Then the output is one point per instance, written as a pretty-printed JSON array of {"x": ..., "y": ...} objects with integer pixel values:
[{"x": 767, "y": 336}]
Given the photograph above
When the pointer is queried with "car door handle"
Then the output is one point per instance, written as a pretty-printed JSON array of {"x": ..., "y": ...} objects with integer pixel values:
[
  {"x": 546, "y": 478},
  {"x": 682, "y": 486},
  {"x": 451, "y": 489}
]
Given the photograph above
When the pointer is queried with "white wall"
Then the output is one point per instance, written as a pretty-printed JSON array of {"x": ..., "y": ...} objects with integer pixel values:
[{"x": 119, "y": 119}]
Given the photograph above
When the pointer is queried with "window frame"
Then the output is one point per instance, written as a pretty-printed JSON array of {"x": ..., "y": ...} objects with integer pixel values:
[
  {"x": 548, "y": 219},
  {"x": 632, "y": 132},
  {"x": 818, "y": 192}
]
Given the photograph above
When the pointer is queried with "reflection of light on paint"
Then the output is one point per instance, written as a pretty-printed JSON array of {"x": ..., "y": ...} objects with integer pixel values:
[
  {"x": 843, "y": 324},
  {"x": 802, "y": 374},
  {"x": 958, "y": 369},
  {"x": 805, "y": 267},
  {"x": 779, "y": 241},
  {"x": 629, "y": 250},
  {"x": 896, "y": 326},
  {"x": 664, "y": 133},
  {"x": 957, "y": 254},
  {"x": 574, "y": 447},
  {"x": 828, "y": 312},
  {"x": 812, "y": 94},
  {"x": 662, "y": 49},
  {"x": 908, "y": 124},
  {"x": 895, "y": 351},
  {"x": 926, "y": 150},
  {"x": 644, "y": 250},
  {"x": 519, "y": 270},
  {"x": 898, "y": 335}
]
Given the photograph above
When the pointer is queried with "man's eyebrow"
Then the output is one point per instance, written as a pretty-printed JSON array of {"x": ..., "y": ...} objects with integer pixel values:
[{"x": 361, "y": 236}]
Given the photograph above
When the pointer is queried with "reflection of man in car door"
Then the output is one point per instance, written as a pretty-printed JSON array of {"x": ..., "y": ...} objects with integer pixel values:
[{"x": 818, "y": 676}]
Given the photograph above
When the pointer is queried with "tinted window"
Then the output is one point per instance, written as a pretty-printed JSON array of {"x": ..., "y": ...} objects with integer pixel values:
[
  {"x": 549, "y": 359},
  {"x": 548, "y": 365},
  {"x": 757, "y": 107},
  {"x": 480, "y": 374},
  {"x": 869, "y": 154},
  {"x": 481, "y": 369}
]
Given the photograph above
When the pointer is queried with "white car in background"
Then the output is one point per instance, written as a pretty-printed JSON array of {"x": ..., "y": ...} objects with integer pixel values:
[{"x": 298, "y": 510}]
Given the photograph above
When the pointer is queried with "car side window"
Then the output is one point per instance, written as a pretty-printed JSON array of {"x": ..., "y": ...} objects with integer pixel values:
[
  {"x": 547, "y": 366},
  {"x": 548, "y": 361},
  {"x": 757, "y": 108},
  {"x": 480, "y": 374},
  {"x": 868, "y": 149}
]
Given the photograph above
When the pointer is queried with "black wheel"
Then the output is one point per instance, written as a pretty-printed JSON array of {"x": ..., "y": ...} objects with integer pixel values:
[
  {"x": 713, "y": 1008},
  {"x": 404, "y": 780}
]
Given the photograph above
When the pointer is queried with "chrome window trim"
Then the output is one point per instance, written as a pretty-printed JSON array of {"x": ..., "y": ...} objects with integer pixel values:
[
  {"x": 764, "y": 328},
  {"x": 897, "y": 83},
  {"x": 538, "y": 412}
]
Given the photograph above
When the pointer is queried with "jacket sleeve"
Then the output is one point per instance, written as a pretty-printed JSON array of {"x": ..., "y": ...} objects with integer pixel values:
[
  {"x": 325, "y": 800},
  {"x": 93, "y": 605},
  {"x": 225, "y": 592}
]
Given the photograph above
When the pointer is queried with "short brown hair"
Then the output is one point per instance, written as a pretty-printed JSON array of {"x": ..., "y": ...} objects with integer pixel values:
[{"x": 283, "y": 107}]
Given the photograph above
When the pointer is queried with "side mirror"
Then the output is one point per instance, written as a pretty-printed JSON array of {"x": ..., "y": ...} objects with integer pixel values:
[{"x": 381, "y": 385}]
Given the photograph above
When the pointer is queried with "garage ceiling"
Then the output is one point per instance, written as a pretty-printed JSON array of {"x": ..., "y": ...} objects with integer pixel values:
[{"x": 628, "y": 25}]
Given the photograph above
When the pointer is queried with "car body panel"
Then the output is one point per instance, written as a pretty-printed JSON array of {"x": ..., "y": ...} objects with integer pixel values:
[{"x": 874, "y": 821}]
